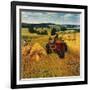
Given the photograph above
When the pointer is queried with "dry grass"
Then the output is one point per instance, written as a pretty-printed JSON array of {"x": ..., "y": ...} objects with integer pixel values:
[{"x": 50, "y": 65}]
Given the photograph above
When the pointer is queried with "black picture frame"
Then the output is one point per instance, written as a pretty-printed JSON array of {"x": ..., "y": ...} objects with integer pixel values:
[{"x": 14, "y": 4}]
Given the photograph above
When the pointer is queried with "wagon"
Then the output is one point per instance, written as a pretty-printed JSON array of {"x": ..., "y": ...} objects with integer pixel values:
[{"x": 58, "y": 46}]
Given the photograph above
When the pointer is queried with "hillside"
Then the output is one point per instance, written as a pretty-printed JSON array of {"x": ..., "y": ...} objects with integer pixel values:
[{"x": 51, "y": 25}]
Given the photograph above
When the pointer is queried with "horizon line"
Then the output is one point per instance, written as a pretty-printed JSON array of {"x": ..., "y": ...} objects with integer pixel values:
[{"x": 51, "y": 23}]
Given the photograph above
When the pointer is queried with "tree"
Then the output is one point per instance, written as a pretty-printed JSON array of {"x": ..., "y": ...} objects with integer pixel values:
[
  {"x": 31, "y": 29},
  {"x": 63, "y": 28},
  {"x": 53, "y": 32}
]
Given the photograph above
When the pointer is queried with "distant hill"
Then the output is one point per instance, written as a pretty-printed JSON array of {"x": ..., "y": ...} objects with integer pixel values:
[
  {"x": 36, "y": 25},
  {"x": 71, "y": 26},
  {"x": 51, "y": 25}
]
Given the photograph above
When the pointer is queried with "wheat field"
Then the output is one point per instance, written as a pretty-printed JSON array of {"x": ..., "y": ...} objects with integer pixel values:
[{"x": 36, "y": 63}]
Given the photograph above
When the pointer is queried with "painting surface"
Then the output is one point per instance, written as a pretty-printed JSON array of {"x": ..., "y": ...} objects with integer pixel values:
[{"x": 50, "y": 44}]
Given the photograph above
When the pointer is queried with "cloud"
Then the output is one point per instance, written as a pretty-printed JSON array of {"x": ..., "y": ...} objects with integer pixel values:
[
  {"x": 71, "y": 18},
  {"x": 49, "y": 17}
]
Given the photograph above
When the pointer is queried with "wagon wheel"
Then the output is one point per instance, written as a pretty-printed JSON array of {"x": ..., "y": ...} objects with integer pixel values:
[{"x": 61, "y": 54}]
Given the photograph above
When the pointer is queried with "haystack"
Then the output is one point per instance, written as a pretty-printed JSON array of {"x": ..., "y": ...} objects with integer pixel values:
[
  {"x": 37, "y": 51},
  {"x": 26, "y": 50}
]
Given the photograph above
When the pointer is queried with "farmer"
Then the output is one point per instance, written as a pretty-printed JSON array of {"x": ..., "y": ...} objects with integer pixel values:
[
  {"x": 56, "y": 36},
  {"x": 50, "y": 45}
]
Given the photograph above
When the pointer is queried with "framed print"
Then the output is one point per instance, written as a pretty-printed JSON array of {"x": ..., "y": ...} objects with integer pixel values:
[{"x": 48, "y": 44}]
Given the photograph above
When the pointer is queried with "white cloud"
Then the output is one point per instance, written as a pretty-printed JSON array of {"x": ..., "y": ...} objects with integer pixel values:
[{"x": 49, "y": 17}]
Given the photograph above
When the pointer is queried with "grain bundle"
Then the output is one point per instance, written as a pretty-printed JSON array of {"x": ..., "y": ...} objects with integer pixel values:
[
  {"x": 26, "y": 50},
  {"x": 37, "y": 51}
]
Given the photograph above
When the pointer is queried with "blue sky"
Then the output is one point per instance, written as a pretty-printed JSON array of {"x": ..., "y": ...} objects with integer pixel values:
[{"x": 50, "y": 17}]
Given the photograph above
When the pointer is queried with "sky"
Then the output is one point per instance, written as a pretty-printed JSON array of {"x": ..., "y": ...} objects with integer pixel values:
[{"x": 37, "y": 17}]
